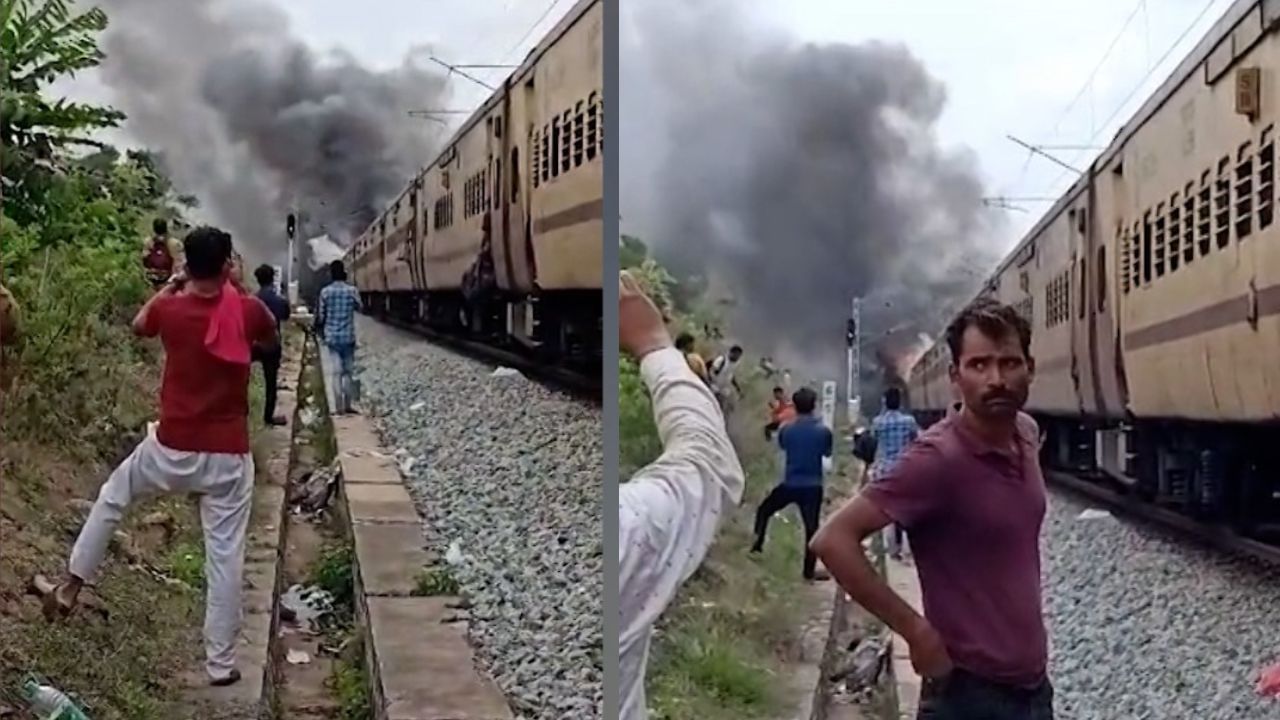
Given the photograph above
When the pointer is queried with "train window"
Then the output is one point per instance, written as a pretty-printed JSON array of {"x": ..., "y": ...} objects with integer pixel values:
[
  {"x": 602, "y": 125},
  {"x": 1146, "y": 247},
  {"x": 1175, "y": 232},
  {"x": 555, "y": 146},
  {"x": 1222, "y": 204},
  {"x": 497, "y": 127},
  {"x": 1101, "y": 274},
  {"x": 592, "y": 125},
  {"x": 579, "y": 133},
  {"x": 1160, "y": 240},
  {"x": 515, "y": 174},
  {"x": 1266, "y": 180},
  {"x": 1136, "y": 245},
  {"x": 534, "y": 144},
  {"x": 566, "y": 143},
  {"x": 1202, "y": 215},
  {"x": 1189, "y": 224},
  {"x": 1244, "y": 192},
  {"x": 1122, "y": 241}
]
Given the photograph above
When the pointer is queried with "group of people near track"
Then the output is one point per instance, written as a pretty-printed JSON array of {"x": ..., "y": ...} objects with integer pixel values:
[{"x": 967, "y": 493}]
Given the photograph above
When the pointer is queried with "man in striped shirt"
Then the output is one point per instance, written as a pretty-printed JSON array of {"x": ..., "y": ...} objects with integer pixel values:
[{"x": 894, "y": 430}]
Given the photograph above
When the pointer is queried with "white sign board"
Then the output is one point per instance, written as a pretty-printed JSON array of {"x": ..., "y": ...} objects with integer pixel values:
[{"x": 828, "y": 414}]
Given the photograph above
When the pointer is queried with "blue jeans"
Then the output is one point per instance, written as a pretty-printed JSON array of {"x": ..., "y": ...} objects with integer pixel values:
[
  {"x": 346, "y": 389},
  {"x": 965, "y": 696}
]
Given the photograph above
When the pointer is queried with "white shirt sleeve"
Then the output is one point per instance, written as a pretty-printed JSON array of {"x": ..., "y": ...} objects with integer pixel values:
[{"x": 669, "y": 511}]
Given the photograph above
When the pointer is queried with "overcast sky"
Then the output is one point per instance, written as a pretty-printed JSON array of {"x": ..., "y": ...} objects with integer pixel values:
[{"x": 1015, "y": 68}]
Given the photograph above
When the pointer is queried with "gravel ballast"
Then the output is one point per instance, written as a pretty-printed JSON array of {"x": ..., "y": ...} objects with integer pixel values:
[
  {"x": 1146, "y": 625},
  {"x": 508, "y": 473}
]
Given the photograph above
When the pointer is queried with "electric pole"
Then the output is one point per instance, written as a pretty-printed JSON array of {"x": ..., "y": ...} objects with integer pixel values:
[{"x": 853, "y": 338}]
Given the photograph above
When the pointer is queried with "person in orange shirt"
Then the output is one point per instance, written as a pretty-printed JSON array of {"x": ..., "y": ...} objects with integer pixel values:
[
  {"x": 781, "y": 411},
  {"x": 684, "y": 343}
]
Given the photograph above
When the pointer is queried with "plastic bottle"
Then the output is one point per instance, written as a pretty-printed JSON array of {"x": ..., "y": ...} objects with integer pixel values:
[{"x": 50, "y": 703}]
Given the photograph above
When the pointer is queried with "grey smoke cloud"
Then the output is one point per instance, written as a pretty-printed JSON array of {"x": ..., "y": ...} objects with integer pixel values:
[
  {"x": 797, "y": 175},
  {"x": 252, "y": 121}
]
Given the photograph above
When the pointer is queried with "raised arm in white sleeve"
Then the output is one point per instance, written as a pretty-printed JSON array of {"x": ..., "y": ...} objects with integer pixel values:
[{"x": 669, "y": 511}]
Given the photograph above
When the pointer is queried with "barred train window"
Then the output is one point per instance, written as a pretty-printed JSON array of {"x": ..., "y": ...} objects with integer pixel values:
[
  {"x": 566, "y": 142},
  {"x": 535, "y": 148},
  {"x": 1175, "y": 232},
  {"x": 1102, "y": 278},
  {"x": 1266, "y": 180},
  {"x": 1122, "y": 240},
  {"x": 1244, "y": 192},
  {"x": 1189, "y": 224},
  {"x": 1160, "y": 244},
  {"x": 592, "y": 125},
  {"x": 1203, "y": 232},
  {"x": 579, "y": 133},
  {"x": 1084, "y": 285},
  {"x": 1222, "y": 204},
  {"x": 1146, "y": 247},
  {"x": 546, "y": 154}
]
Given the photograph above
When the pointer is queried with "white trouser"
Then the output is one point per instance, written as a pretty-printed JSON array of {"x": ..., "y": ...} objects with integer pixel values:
[{"x": 224, "y": 483}]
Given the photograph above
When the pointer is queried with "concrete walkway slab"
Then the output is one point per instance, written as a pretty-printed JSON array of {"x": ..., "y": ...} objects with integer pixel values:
[
  {"x": 369, "y": 469},
  {"x": 389, "y": 557},
  {"x": 903, "y": 580},
  {"x": 414, "y": 644},
  {"x": 380, "y": 503}
]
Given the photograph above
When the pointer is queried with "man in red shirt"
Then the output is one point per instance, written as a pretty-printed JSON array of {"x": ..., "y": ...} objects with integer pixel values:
[
  {"x": 200, "y": 447},
  {"x": 971, "y": 496}
]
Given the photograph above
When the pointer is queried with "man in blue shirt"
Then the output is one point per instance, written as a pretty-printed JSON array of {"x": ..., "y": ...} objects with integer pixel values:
[
  {"x": 336, "y": 324},
  {"x": 806, "y": 442},
  {"x": 894, "y": 430},
  {"x": 270, "y": 357}
]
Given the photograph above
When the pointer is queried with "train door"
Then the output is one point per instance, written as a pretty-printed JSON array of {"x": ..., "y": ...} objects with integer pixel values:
[{"x": 1082, "y": 373}]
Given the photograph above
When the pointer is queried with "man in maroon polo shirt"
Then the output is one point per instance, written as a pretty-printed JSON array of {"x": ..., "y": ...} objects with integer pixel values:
[
  {"x": 201, "y": 446},
  {"x": 971, "y": 497}
]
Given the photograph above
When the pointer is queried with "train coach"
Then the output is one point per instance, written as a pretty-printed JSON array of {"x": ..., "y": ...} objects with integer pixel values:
[
  {"x": 500, "y": 239},
  {"x": 1153, "y": 291}
]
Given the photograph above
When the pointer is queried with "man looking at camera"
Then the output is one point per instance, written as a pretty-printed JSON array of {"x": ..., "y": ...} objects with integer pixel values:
[{"x": 971, "y": 496}]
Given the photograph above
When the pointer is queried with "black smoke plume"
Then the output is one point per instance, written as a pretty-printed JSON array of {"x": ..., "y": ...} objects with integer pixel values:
[
  {"x": 255, "y": 123},
  {"x": 796, "y": 176}
]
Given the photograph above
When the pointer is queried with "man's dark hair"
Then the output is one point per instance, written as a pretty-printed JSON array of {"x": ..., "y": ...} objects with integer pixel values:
[
  {"x": 207, "y": 250},
  {"x": 337, "y": 270},
  {"x": 684, "y": 342},
  {"x": 777, "y": 389},
  {"x": 159, "y": 226},
  {"x": 265, "y": 275},
  {"x": 805, "y": 400},
  {"x": 892, "y": 398},
  {"x": 994, "y": 319}
]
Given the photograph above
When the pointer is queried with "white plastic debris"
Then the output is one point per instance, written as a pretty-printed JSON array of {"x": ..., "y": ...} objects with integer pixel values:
[
  {"x": 503, "y": 372},
  {"x": 308, "y": 417},
  {"x": 308, "y": 604},
  {"x": 1093, "y": 514},
  {"x": 453, "y": 555},
  {"x": 406, "y": 465},
  {"x": 298, "y": 657},
  {"x": 418, "y": 405}
]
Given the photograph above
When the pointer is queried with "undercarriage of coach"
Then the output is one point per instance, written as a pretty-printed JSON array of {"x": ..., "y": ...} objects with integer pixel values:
[{"x": 1214, "y": 473}]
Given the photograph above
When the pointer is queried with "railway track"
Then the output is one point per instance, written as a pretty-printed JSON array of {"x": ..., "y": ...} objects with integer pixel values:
[
  {"x": 1216, "y": 536},
  {"x": 570, "y": 380}
]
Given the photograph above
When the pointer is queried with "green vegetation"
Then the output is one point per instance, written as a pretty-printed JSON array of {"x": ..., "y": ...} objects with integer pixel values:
[
  {"x": 722, "y": 647},
  {"x": 436, "y": 581},
  {"x": 349, "y": 683},
  {"x": 76, "y": 388}
]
